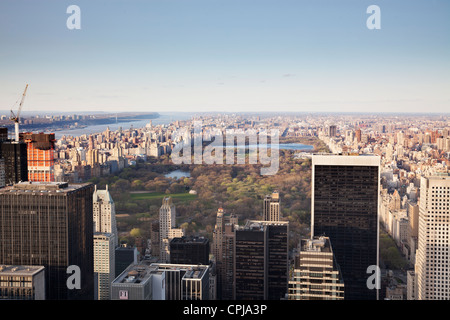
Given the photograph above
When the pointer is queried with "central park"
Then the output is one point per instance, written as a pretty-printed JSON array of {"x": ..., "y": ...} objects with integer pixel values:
[{"x": 201, "y": 189}]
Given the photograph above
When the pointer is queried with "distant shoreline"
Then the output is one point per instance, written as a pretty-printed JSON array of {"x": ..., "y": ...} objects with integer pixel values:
[{"x": 74, "y": 124}]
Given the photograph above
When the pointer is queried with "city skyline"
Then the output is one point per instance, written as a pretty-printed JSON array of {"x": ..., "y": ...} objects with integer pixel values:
[
  {"x": 361, "y": 185},
  {"x": 224, "y": 150},
  {"x": 206, "y": 56}
]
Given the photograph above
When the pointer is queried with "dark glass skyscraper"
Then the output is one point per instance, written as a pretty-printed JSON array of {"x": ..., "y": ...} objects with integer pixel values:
[
  {"x": 189, "y": 250},
  {"x": 261, "y": 260},
  {"x": 15, "y": 156},
  {"x": 50, "y": 224},
  {"x": 345, "y": 194}
]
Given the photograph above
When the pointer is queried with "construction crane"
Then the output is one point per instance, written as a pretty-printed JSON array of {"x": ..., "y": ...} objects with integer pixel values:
[{"x": 15, "y": 117}]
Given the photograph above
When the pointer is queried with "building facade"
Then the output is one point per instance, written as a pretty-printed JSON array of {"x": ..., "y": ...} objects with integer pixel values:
[
  {"x": 316, "y": 275},
  {"x": 344, "y": 206},
  {"x": 50, "y": 224},
  {"x": 223, "y": 253},
  {"x": 22, "y": 282},
  {"x": 189, "y": 250},
  {"x": 261, "y": 265},
  {"x": 167, "y": 230},
  {"x": 104, "y": 264},
  {"x": 104, "y": 212},
  {"x": 2, "y": 173},
  {"x": 181, "y": 281},
  {"x": 40, "y": 156},
  {"x": 432, "y": 257},
  {"x": 271, "y": 207},
  {"x": 15, "y": 157}
]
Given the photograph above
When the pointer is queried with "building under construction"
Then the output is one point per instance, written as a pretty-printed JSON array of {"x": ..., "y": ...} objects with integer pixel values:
[{"x": 40, "y": 156}]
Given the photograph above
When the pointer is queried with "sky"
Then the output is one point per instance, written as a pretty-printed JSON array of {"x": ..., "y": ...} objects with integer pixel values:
[{"x": 226, "y": 55}]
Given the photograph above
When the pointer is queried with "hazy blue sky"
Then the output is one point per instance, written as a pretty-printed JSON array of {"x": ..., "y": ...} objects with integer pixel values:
[{"x": 226, "y": 55}]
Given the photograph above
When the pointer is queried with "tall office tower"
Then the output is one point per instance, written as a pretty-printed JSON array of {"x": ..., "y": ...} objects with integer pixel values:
[
  {"x": 50, "y": 224},
  {"x": 154, "y": 238},
  {"x": 189, "y": 250},
  {"x": 222, "y": 219},
  {"x": 104, "y": 212},
  {"x": 332, "y": 130},
  {"x": 22, "y": 282},
  {"x": 316, "y": 275},
  {"x": 261, "y": 261},
  {"x": 40, "y": 156},
  {"x": 344, "y": 206},
  {"x": 223, "y": 252},
  {"x": 104, "y": 264},
  {"x": 92, "y": 157},
  {"x": 167, "y": 230},
  {"x": 271, "y": 207},
  {"x": 15, "y": 156},
  {"x": 432, "y": 257},
  {"x": 91, "y": 144},
  {"x": 358, "y": 135}
]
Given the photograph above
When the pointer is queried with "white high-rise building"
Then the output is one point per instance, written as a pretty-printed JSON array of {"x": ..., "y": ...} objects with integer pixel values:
[
  {"x": 104, "y": 264},
  {"x": 432, "y": 267},
  {"x": 167, "y": 230},
  {"x": 105, "y": 213}
]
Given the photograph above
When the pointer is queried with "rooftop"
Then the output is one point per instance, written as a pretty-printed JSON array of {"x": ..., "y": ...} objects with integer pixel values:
[
  {"x": 260, "y": 224},
  {"x": 320, "y": 244},
  {"x": 349, "y": 159},
  {"x": 191, "y": 271},
  {"x": 190, "y": 239},
  {"x": 19, "y": 269},
  {"x": 135, "y": 274},
  {"x": 38, "y": 186}
]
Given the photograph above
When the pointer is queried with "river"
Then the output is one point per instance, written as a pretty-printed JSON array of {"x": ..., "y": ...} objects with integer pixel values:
[{"x": 164, "y": 118}]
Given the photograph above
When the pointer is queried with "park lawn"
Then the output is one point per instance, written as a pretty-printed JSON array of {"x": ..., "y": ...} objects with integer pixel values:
[{"x": 184, "y": 196}]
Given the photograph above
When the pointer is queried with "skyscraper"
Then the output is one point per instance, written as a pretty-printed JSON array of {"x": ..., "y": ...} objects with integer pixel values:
[
  {"x": 50, "y": 224},
  {"x": 15, "y": 157},
  {"x": 271, "y": 207},
  {"x": 344, "y": 205},
  {"x": 358, "y": 135},
  {"x": 104, "y": 213},
  {"x": 432, "y": 257},
  {"x": 332, "y": 130},
  {"x": 316, "y": 275},
  {"x": 223, "y": 252},
  {"x": 261, "y": 260},
  {"x": 104, "y": 264},
  {"x": 189, "y": 250},
  {"x": 167, "y": 230}
]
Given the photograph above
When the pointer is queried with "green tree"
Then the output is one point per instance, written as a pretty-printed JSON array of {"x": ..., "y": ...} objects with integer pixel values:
[{"x": 136, "y": 232}]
